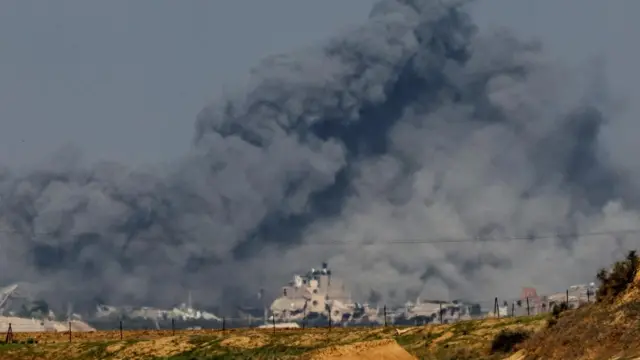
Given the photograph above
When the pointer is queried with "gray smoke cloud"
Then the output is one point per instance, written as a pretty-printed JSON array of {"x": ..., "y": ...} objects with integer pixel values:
[{"x": 414, "y": 125}]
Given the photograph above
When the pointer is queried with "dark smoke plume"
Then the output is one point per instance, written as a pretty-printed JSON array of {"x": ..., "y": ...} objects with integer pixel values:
[{"x": 414, "y": 125}]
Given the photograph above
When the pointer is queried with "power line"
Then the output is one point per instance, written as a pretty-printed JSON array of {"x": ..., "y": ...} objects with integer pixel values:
[
  {"x": 443, "y": 240},
  {"x": 484, "y": 239}
]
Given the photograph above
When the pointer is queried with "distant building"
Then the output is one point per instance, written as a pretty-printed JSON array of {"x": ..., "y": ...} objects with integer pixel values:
[
  {"x": 435, "y": 312},
  {"x": 577, "y": 295},
  {"x": 318, "y": 294},
  {"x": 529, "y": 303}
]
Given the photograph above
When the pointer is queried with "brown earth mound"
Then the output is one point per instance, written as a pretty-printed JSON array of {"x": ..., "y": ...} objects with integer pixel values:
[
  {"x": 386, "y": 349},
  {"x": 609, "y": 329}
]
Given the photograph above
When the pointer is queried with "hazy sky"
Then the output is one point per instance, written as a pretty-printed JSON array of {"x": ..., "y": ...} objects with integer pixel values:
[{"x": 124, "y": 80}]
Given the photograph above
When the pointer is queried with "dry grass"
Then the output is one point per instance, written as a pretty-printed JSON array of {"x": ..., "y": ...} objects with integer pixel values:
[
  {"x": 471, "y": 340},
  {"x": 464, "y": 340},
  {"x": 606, "y": 330}
]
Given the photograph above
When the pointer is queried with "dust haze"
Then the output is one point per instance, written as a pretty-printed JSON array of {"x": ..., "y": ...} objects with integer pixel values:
[{"x": 412, "y": 125}]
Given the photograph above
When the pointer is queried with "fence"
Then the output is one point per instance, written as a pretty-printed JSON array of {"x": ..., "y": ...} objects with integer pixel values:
[{"x": 444, "y": 313}]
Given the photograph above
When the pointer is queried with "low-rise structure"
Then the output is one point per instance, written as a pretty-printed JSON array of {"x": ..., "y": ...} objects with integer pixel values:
[{"x": 319, "y": 294}]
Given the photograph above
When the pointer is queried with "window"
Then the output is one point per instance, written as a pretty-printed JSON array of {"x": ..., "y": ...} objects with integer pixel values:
[
  {"x": 315, "y": 291},
  {"x": 284, "y": 291},
  {"x": 314, "y": 303}
]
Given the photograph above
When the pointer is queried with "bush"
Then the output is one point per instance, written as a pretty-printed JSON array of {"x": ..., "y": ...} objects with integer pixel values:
[
  {"x": 559, "y": 309},
  {"x": 618, "y": 279},
  {"x": 506, "y": 340}
]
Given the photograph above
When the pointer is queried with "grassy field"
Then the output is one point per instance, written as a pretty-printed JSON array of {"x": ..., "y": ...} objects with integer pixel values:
[{"x": 464, "y": 340}]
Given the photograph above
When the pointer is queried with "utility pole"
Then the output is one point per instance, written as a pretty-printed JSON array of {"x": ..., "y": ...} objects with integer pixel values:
[
  {"x": 528, "y": 311},
  {"x": 384, "y": 310},
  {"x": 304, "y": 315},
  {"x": 9, "y": 338}
]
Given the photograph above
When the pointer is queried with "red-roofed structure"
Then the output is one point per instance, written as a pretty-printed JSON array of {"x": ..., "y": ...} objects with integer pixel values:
[{"x": 529, "y": 292}]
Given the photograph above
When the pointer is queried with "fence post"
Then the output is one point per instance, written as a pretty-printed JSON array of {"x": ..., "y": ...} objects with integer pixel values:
[
  {"x": 224, "y": 324},
  {"x": 497, "y": 308},
  {"x": 588, "y": 295},
  {"x": 528, "y": 311},
  {"x": 273, "y": 318},
  {"x": 69, "y": 331},
  {"x": 440, "y": 313},
  {"x": 173, "y": 326},
  {"x": 9, "y": 338},
  {"x": 513, "y": 310},
  {"x": 304, "y": 317},
  {"x": 567, "y": 298},
  {"x": 120, "y": 329},
  {"x": 384, "y": 310}
]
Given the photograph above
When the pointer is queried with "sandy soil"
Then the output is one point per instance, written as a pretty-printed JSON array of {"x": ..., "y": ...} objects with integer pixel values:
[
  {"x": 246, "y": 342},
  {"x": 163, "y": 347},
  {"x": 381, "y": 349}
]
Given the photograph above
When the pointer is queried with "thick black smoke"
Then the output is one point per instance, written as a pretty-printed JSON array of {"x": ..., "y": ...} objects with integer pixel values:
[{"x": 411, "y": 126}]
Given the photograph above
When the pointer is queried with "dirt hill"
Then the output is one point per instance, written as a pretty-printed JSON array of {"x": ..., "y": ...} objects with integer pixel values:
[{"x": 608, "y": 329}]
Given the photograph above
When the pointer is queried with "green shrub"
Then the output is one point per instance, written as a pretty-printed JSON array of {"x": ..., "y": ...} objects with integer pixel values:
[
  {"x": 618, "y": 279},
  {"x": 506, "y": 340},
  {"x": 559, "y": 309}
]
